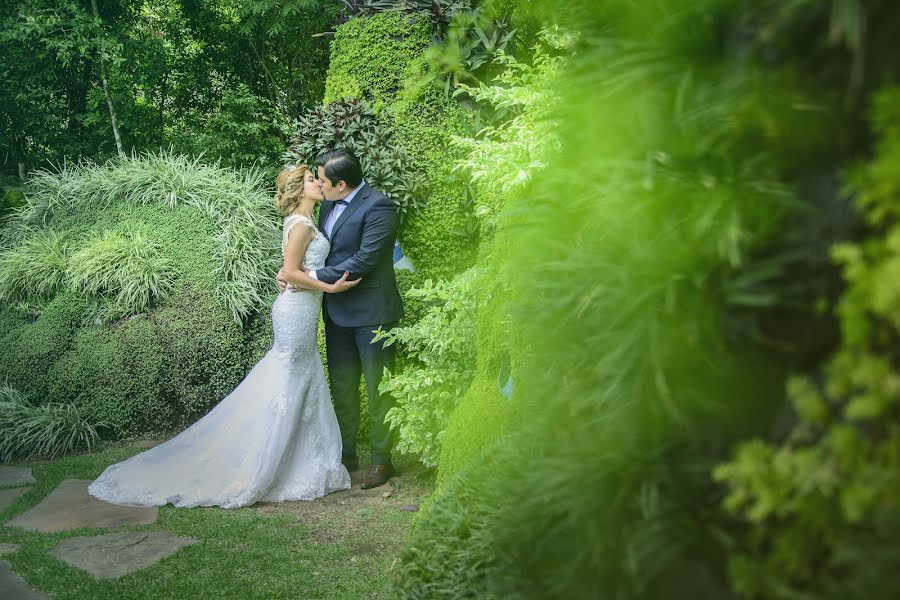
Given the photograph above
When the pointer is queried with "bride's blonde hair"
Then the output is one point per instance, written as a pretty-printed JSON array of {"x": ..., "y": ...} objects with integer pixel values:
[{"x": 289, "y": 188}]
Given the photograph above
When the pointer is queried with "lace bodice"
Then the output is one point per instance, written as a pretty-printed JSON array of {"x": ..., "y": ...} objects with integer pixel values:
[{"x": 318, "y": 248}]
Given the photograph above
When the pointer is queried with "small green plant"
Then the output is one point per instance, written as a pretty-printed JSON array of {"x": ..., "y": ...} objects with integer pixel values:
[
  {"x": 49, "y": 431},
  {"x": 429, "y": 386}
]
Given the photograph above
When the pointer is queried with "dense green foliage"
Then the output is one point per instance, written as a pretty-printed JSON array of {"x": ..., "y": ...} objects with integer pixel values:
[
  {"x": 225, "y": 77},
  {"x": 822, "y": 506},
  {"x": 632, "y": 258},
  {"x": 132, "y": 289},
  {"x": 353, "y": 125}
]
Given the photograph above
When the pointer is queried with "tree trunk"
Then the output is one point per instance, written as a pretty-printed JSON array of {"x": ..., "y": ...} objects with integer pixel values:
[
  {"x": 109, "y": 102},
  {"x": 22, "y": 171}
]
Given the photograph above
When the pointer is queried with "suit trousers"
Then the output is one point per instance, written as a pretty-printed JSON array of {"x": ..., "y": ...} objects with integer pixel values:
[{"x": 351, "y": 354}]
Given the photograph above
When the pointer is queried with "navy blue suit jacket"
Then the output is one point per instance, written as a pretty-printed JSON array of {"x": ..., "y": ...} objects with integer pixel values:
[{"x": 362, "y": 242}]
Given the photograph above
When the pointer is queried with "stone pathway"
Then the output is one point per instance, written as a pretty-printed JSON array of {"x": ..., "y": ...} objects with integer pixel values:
[
  {"x": 116, "y": 554},
  {"x": 70, "y": 506}
]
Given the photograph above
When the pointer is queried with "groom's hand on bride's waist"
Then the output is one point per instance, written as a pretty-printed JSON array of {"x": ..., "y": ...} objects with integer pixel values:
[{"x": 283, "y": 283}]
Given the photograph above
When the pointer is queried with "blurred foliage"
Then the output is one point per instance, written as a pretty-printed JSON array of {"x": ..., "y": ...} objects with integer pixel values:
[
  {"x": 822, "y": 506},
  {"x": 632, "y": 256}
]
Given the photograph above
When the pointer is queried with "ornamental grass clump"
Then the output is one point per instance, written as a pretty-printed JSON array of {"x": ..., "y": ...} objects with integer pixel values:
[
  {"x": 126, "y": 268},
  {"x": 237, "y": 201},
  {"x": 36, "y": 267},
  {"x": 28, "y": 431}
]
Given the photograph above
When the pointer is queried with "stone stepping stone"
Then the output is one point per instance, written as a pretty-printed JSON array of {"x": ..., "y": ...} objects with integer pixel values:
[
  {"x": 6, "y": 548},
  {"x": 8, "y": 496},
  {"x": 116, "y": 554},
  {"x": 13, "y": 586},
  {"x": 16, "y": 476},
  {"x": 70, "y": 507}
]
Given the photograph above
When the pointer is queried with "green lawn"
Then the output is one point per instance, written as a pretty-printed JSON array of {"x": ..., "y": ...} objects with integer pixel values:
[{"x": 342, "y": 546}]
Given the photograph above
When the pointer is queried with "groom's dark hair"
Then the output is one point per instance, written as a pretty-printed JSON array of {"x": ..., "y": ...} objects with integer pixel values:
[{"x": 341, "y": 164}]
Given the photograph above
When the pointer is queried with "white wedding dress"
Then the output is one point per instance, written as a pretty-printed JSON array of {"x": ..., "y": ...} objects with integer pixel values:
[{"x": 274, "y": 438}]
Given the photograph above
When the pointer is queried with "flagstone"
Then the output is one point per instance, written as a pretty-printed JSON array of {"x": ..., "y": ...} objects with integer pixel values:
[
  {"x": 15, "y": 476},
  {"x": 70, "y": 506},
  {"x": 9, "y": 495},
  {"x": 7, "y": 548},
  {"x": 117, "y": 554},
  {"x": 13, "y": 586}
]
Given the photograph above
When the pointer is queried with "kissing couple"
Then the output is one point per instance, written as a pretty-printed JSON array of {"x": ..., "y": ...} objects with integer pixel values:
[{"x": 277, "y": 437}]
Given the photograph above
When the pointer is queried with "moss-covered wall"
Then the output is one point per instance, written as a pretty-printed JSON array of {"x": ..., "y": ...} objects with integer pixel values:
[{"x": 373, "y": 58}]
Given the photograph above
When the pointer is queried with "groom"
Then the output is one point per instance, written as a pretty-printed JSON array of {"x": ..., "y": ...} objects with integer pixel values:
[{"x": 361, "y": 224}]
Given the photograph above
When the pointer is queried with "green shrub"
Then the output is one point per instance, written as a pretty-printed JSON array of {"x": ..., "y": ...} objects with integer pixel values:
[
  {"x": 27, "y": 431},
  {"x": 373, "y": 57},
  {"x": 159, "y": 315},
  {"x": 426, "y": 126},
  {"x": 244, "y": 229},
  {"x": 379, "y": 59},
  {"x": 127, "y": 270}
]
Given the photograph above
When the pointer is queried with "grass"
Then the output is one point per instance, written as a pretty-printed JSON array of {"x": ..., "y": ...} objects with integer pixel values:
[{"x": 340, "y": 547}]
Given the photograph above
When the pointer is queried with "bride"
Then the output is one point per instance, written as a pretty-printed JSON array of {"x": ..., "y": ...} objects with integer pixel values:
[{"x": 275, "y": 437}]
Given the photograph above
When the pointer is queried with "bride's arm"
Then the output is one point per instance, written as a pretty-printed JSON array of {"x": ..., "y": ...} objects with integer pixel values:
[{"x": 298, "y": 241}]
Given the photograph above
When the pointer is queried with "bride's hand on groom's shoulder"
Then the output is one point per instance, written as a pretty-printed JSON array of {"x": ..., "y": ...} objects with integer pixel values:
[{"x": 343, "y": 284}]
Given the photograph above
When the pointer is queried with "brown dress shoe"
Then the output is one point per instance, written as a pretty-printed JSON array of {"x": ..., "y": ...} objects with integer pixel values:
[
  {"x": 351, "y": 462},
  {"x": 377, "y": 475}
]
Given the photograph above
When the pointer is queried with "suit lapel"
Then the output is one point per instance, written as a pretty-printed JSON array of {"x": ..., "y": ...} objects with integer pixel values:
[{"x": 361, "y": 197}]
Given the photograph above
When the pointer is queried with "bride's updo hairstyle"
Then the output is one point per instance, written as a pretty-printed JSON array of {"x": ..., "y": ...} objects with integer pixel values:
[{"x": 289, "y": 188}]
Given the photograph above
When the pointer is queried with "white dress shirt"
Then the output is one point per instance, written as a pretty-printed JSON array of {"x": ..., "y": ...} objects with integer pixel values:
[{"x": 335, "y": 214}]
